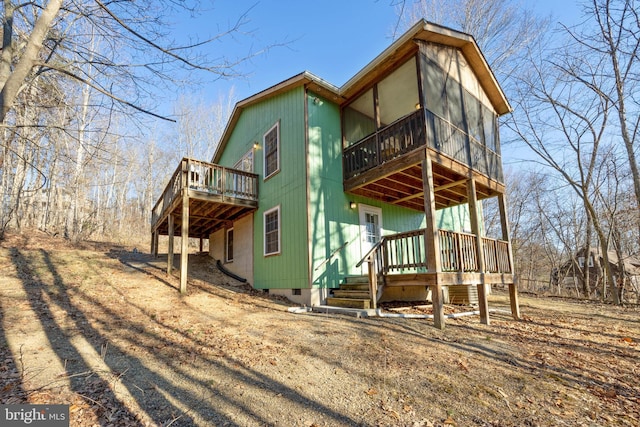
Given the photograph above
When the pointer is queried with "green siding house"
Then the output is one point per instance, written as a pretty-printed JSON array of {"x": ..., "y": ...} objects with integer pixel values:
[{"x": 313, "y": 185}]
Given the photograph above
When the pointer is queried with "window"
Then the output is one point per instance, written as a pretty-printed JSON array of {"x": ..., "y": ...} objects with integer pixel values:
[
  {"x": 229, "y": 248},
  {"x": 245, "y": 163},
  {"x": 272, "y": 231},
  {"x": 271, "y": 144},
  {"x": 372, "y": 227},
  {"x": 242, "y": 186}
]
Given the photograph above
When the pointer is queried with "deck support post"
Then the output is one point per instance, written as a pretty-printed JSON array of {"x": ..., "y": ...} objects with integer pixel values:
[
  {"x": 513, "y": 299},
  {"x": 513, "y": 287},
  {"x": 432, "y": 240},
  {"x": 373, "y": 283},
  {"x": 184, "y": 252},
  {"x": 483, "y": 301},
  {"x": 438, "y": 305},
  {"x": 155, "y": 237},
  {"x": 170, "y": 249}
]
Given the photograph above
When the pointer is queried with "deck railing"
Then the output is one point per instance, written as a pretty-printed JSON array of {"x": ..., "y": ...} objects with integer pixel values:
[
  {"x": 405, "y": 253},
  {"x": 418, "y": 129},
  {"x": 208, "y": 178}
]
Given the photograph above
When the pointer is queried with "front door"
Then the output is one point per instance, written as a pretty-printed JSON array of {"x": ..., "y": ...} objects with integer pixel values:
[{"x": 370, "y": 229}]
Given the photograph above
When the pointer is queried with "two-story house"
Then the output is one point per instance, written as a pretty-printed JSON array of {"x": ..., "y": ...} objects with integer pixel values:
[{"x": 312, "y": 184}]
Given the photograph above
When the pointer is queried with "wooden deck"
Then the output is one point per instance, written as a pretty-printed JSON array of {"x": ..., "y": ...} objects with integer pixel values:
[
  {"x": 463, "y": 259},
  {"x": 387, "y": 165},
  {"x": 216, "y": 196},
  {"x": 200, "y": 199},
  {"x": 425, "y": 163}
]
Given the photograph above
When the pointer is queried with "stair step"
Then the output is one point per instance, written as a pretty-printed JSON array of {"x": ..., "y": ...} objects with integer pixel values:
[
  {"x": 354, "y": 287},
  {"x": 356, "y": 294},
  {"x": 349, "y": 302},
  {"x": 356, "y": 280}
]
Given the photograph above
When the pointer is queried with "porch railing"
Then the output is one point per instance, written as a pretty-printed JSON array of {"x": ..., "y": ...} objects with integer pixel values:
[
  {"x": 405, "y": 253},
  {"x": 418, "y": 129},
  {"x": 230, "y": 184}
]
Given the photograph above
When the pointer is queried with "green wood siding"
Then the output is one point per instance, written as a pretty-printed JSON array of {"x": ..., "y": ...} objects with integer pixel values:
[
  {"x": 332, "y": 222},
  {"x": 287, "y": 188}
]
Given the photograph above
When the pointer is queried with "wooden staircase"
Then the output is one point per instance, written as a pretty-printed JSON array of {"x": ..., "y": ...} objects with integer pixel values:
[{"x": 353, "y": 293}]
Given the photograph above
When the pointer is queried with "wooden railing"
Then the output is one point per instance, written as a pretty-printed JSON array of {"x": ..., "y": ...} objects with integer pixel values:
[
  {"x": 406, "y": 253},
  {"x": 458, "y": 251},
  {"x": 496, "y": 256},
  {"x": 420, "y": 128},
  {"x": 230, "y": 184}
]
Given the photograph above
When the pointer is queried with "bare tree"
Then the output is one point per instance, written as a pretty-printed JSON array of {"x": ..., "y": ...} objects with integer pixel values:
[
  {"x": 610, "y": 36},
  {"x": 564, "y": 121},
  {"x": 80, "y": 69},
  {"x": 503, "y": 29},
  {"x": 200, "y": 124}
]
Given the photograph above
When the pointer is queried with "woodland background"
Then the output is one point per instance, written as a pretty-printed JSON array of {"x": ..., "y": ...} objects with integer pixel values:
[{"x": 85, "y": 152}]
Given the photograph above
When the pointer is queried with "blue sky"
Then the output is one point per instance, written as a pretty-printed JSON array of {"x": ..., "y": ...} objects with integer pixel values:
[{"x": 330, "y": 38}]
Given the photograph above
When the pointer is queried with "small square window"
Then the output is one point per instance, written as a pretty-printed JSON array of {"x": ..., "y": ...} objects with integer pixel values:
[{"x": 296, "y": 291}]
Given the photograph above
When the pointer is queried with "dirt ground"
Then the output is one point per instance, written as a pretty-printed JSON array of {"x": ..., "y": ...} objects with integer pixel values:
[{"x": 104, "y": 329}]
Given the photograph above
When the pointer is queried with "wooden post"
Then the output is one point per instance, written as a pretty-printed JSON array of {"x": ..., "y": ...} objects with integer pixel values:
[
  {"x": 513, "y": 299},
  {"x": 513, "y": 287},
  {"x": 432, "y": 241},
  {"x": 201, "y": 244},
  {"x": 373, "y": 282},
  {"x": 438, "y": 305},
  {"x": 184, "y": 254},
  {"x": 154, "y": 244},
  {"x": 170, "y": 250},
  {"x": 483, "y": 302}
]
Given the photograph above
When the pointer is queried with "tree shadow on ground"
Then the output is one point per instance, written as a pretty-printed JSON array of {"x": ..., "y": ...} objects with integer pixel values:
[{"x": 175, "y": 384}]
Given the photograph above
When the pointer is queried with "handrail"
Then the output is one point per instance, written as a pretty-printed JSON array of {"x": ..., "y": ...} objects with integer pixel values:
[
  {"x": 331, "y": 255},
  {"x": 372, "y": 250},
  {"x": 457, "y": 252}
]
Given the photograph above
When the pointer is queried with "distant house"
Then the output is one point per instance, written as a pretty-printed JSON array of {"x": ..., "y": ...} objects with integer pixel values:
[
  {"x": 571, "y": 274},
  {"x": 313, "y": 184}
]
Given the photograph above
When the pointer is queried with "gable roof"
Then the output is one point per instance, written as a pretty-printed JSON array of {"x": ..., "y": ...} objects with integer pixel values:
[{"x": 398, "y": 50}]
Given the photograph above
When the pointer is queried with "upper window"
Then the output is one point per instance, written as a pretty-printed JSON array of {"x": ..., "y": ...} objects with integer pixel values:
[
  {"x": 246, "y": 162},
  {"x": 272, "y": 231},
  {"x": 271, "y": 143}
]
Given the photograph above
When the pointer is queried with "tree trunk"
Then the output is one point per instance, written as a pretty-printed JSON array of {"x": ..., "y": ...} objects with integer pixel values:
[{"x": 12, "y": 83}]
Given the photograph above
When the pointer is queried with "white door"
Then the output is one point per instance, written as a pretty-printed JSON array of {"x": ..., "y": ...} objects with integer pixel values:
[{"x": 370, "y": 229}]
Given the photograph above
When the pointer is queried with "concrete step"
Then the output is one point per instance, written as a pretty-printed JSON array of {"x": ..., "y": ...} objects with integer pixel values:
[
  {"x": 349, "y": 302},
  {"x": 349, "y": 293}
]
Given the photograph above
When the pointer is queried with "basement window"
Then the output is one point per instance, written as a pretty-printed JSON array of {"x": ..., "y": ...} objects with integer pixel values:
[{"x": 296, "y": 291}]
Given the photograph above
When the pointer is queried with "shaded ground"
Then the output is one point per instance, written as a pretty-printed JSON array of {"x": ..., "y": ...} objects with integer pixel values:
[{"x": 105, "y": 330}]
